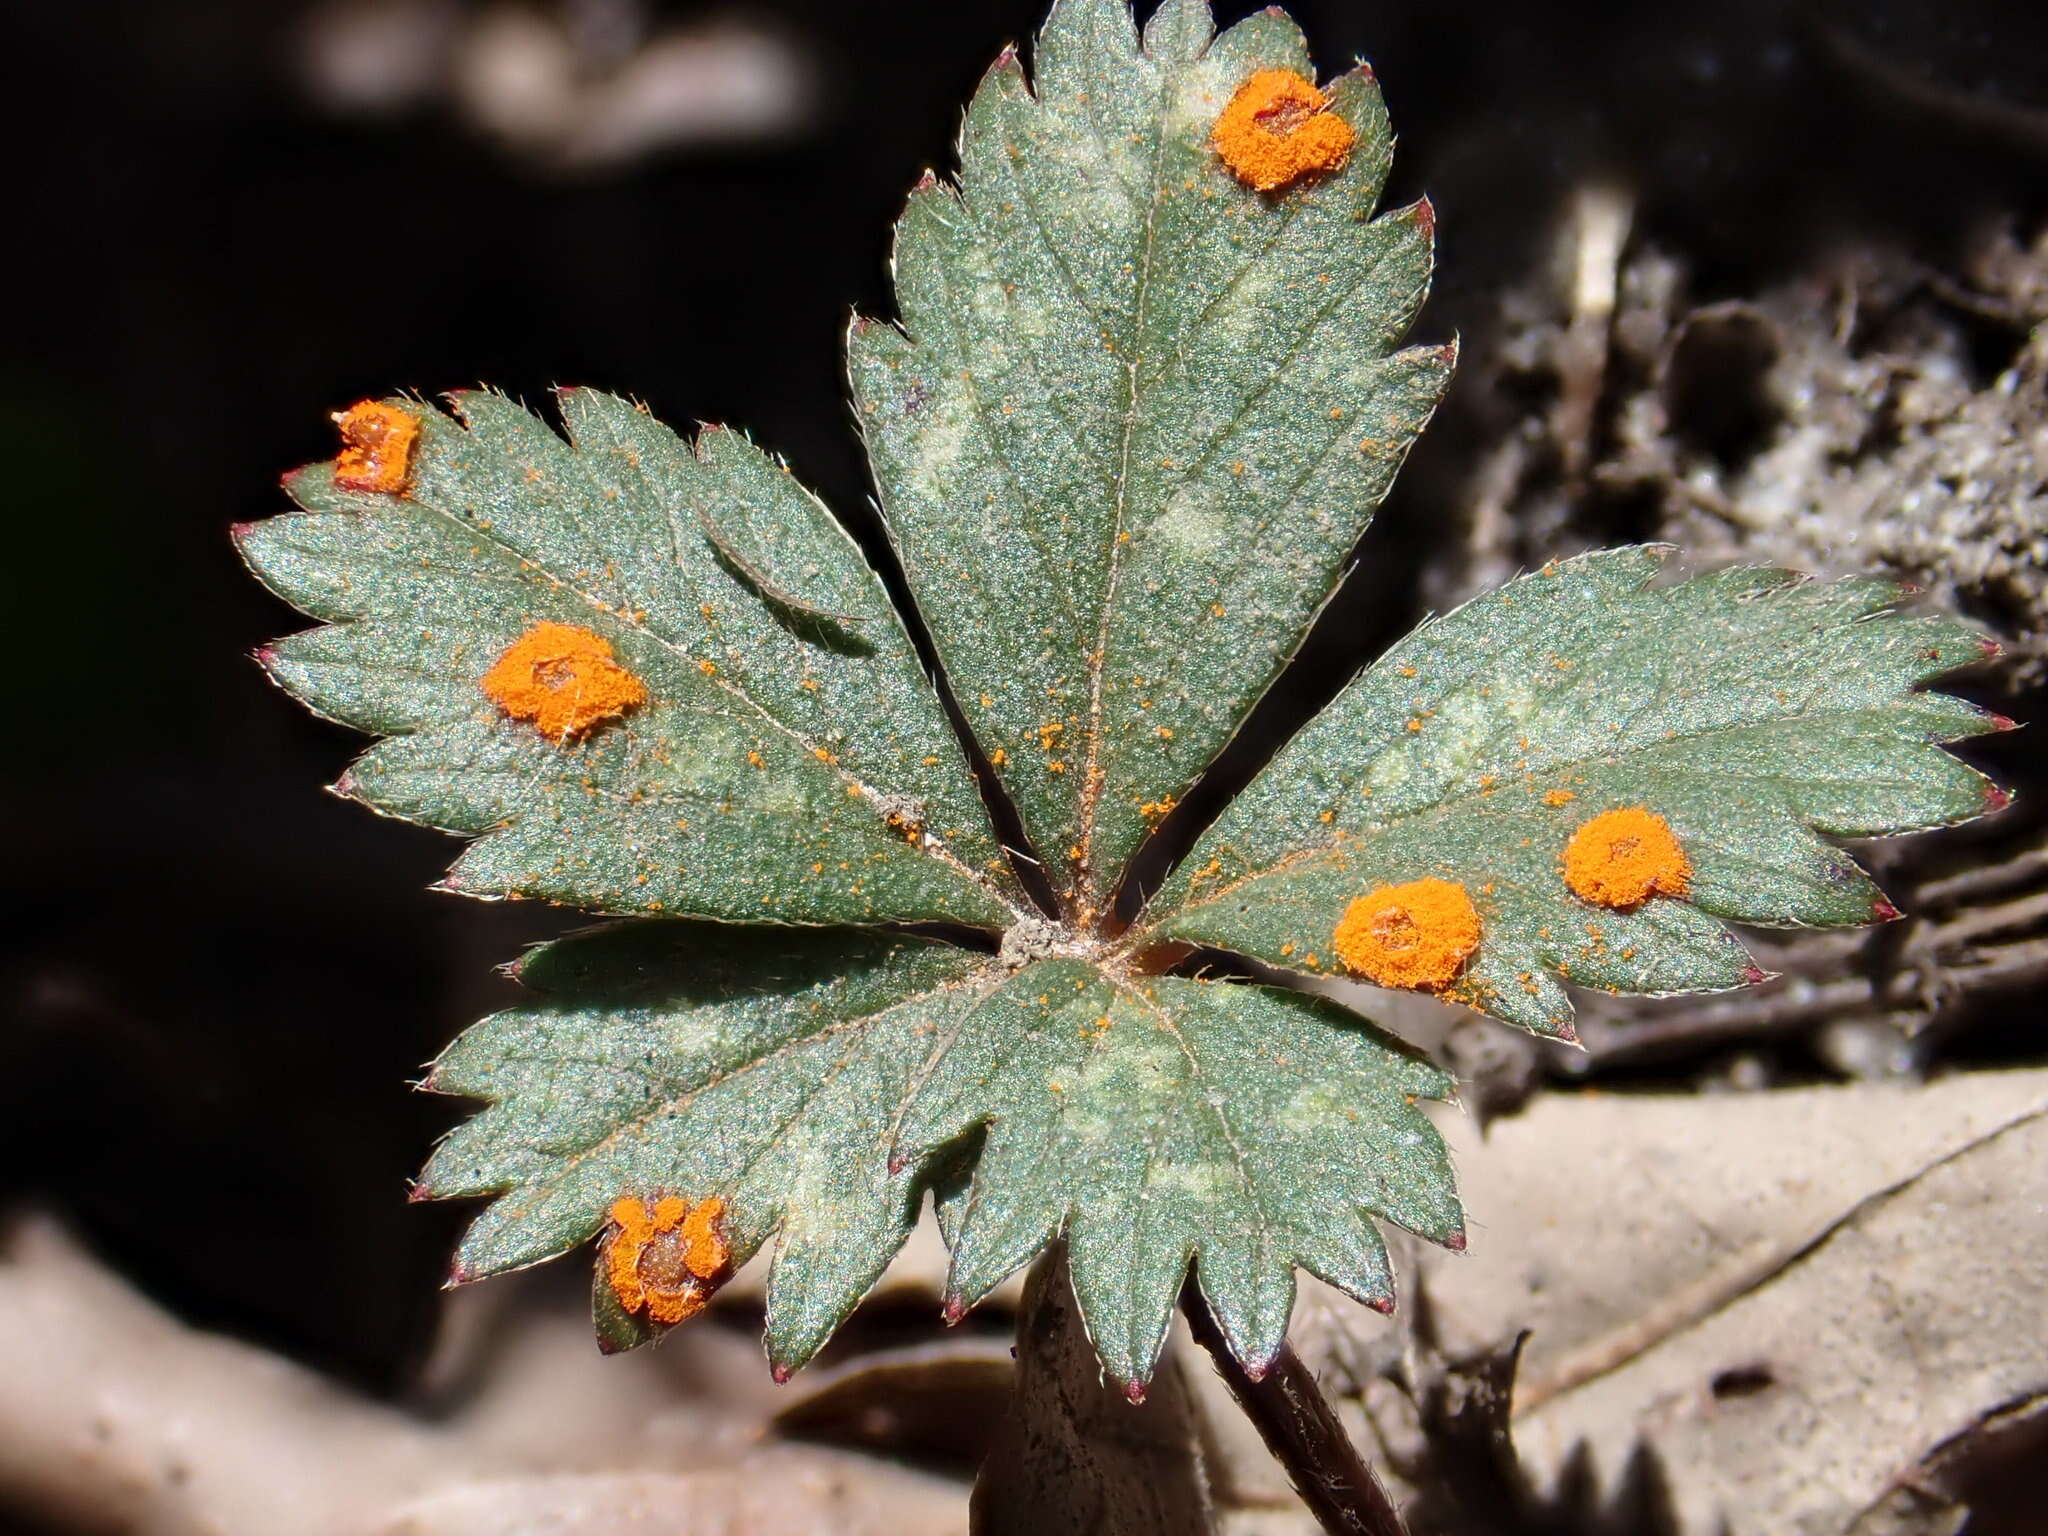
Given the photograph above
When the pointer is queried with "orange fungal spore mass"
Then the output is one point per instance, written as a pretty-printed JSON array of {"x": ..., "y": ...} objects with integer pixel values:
[
  {"x": 1623, "y": 857},
  {"x": 664, "y": 1264},
  {"x": 1417, "y": 935},
  {"x": 1279, "y": 128},
  {"x": 562, "y": 678},
  {"x": 377, "y": 441}
]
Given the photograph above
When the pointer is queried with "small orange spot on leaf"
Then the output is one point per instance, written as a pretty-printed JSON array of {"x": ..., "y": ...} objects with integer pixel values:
[
  {"x": 1623, "y": 857},
  {"x": 563, "y": 679},
  {"x": 665, "y": 1264},
  {"x": 377, "y": 443},
  {"x": 1416, "y": 935},
  {"x": 1279, "y": 128}
]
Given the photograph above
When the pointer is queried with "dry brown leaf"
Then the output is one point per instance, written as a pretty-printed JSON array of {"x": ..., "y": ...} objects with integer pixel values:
[{"x": 1794, "y": 1297}]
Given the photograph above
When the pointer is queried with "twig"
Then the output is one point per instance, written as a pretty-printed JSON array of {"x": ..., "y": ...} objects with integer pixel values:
[
  {"x": 1986, "y": 879},
  {"x": 1302, "y": 1431}
]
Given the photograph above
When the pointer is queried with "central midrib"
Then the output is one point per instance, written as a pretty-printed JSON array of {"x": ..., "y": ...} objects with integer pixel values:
[{"x": 1087, "y": 885}]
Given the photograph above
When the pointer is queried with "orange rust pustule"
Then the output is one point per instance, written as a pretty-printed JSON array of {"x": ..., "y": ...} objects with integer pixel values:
[
  {"x": 665, "y": 1264},
  {"x": 1621, "y": 858},
  {"x": 562, "y": 678},
  {"x": 1418, "y": 935},
  {"x": 377, "y": 443},
  {"x": 1279, "y": 128}
]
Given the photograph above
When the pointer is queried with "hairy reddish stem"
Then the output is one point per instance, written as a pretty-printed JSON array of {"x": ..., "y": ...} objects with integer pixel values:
[{"x": 1302, "y": 1431}]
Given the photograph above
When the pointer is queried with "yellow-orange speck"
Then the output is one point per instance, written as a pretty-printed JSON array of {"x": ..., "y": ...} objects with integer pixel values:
[
  {"x": 1559, "y": 797},
  {"x": 377, "y": 441},
  {"x": 1416, "y": 935},
  {"x": 664, "y": 1264},
  {"x": 1623, "y": 857},
  {"x": 1279, "y": 128},
  {"x": 562, "y": 678}
]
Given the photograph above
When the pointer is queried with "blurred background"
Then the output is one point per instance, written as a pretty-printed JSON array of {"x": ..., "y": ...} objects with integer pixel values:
[{"x": 1754, "y": 276}]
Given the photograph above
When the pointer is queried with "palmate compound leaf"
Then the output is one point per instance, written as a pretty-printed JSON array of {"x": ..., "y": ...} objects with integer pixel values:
[
  {"x": 1138, "y": 412},
  {"x": 1749, "y": 709},
  {"x": 1137, "y": 416},
  {"x": 780, "y": 764}
]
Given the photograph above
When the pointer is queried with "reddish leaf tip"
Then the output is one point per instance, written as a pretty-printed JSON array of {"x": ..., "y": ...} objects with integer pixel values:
[
  {"x": 1255, "y": 1370},
  {"x": 1384, "y": 1305},
  {"x": 2004, "y": 723},
  {"x": 952, "y": 1311},
  {"x": 927, "y": 181},
  {"x": 345, "y": 786},
  {"x": 1996, "y": 798},
  {"x": 458, "y": 1274},
  {"x": 1753, "y": 973},
  {"x": 1134, "y": 1392},
  {"x": 897, "y": 1163},
  {"x": 780, "y": 1373},
  {"x": 1425, "y": 217},
  {"x": 1882, "y": 911},
  {"x": 264, "y": 655},
  {"x": 240, "y": 532},
  {"x": 1990, "y": 647},
  {"x": 1456, "y": 1241}
]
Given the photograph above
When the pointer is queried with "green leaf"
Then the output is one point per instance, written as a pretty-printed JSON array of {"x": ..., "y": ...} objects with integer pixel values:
[
  {"x": 1134, "y": 421},
  {"x": 1750, "y": 708},
  {"x": 763, "y": 1066},
  {"x": 1155, "y": 1119},
  {"x": 1137, "y": 414},
  {"x": 760, "y": 778}
]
